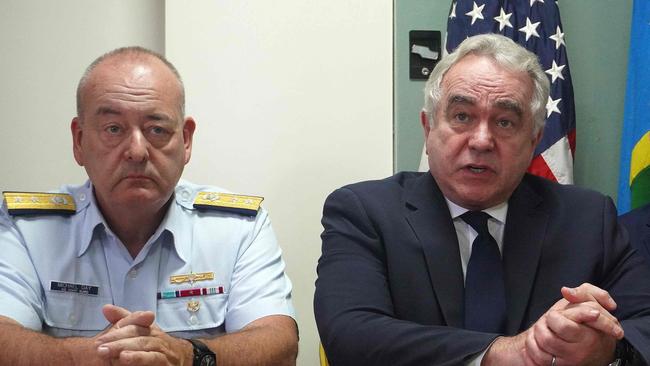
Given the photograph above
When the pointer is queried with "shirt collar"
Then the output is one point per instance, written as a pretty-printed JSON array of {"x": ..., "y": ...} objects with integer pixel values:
[
  {"x": 91, "y": 217},
  {"x": 498, "y": 212},
  {"x": 176, "y": 223},
  {"x": 173, "y": 222}
]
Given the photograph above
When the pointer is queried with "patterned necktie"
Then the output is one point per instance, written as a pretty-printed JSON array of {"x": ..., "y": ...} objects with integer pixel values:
[{"x": 485, "y": 294}]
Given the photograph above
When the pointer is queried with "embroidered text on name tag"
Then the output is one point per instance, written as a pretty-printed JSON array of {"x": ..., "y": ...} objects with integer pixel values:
[{"x": 74, "y": 287}]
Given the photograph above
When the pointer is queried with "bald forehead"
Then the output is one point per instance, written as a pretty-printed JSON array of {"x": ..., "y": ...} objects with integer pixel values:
[
  {"x": 130, "y": 68},
  {"x": 132, "y": 65}
]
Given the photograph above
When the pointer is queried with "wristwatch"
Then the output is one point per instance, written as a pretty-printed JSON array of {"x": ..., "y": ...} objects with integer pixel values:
[
  {"x": 623, "y": 354},
  {"x": 203, "y": 356}
]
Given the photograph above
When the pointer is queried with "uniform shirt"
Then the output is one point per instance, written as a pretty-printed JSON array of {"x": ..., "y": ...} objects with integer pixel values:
[{"x": 57, "y": 271}]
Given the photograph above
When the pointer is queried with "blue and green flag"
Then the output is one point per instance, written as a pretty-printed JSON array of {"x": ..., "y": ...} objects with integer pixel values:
[{"x": 634, "y": 179}]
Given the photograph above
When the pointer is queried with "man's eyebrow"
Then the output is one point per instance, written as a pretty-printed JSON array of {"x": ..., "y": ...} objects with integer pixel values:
[
  {"x": 107, "y": 110},
  {"x": 510, "y": 105},
  {"x": 159, "y": 117},
  {"x": 460, "y": 99},
  {"x": 151, "y": 116}
]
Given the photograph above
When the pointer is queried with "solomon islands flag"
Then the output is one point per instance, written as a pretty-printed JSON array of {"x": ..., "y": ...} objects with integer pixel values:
[{"x": 634, "y": 179}]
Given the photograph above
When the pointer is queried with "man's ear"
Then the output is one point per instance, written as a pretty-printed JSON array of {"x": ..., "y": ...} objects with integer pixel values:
[
  {"x": 188, "y": 133},
  {"x": 77, "y": 134},
  {"x": 424, "y": 120}
]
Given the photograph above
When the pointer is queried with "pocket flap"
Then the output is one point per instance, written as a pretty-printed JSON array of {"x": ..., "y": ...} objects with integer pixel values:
[
  {"x": 75, "y": 311},
  {"x": 178, "y": 314}
]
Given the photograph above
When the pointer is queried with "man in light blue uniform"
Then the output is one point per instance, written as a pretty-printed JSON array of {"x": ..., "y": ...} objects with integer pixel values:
[{"x": 125, "y": 268}]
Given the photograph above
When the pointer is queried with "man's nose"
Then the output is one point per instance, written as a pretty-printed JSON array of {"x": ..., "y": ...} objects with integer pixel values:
[
  {"x": 481, "y": 138},
  {"x": 137, "y": 149}
]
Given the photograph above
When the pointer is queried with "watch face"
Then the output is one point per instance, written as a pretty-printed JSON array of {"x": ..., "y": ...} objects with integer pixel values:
[{"x": 208, "y": 360}]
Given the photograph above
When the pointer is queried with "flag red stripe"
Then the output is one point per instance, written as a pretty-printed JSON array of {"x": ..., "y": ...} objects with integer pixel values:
[{"x": 539, "y": 167}]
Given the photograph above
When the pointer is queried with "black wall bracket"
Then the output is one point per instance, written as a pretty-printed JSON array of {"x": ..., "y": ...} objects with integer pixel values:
[{"x": 424, "y": 53}]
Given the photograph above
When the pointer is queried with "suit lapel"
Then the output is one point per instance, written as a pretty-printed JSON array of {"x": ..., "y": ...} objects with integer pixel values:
[
  {"x": 522, "y": 245},
  {"x": 429, "y": 218}
]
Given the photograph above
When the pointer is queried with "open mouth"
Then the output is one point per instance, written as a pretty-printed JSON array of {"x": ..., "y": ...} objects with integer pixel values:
[{"x": 476, "y": 168}]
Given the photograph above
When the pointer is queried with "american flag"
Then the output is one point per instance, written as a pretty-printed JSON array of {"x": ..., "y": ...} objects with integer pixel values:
[{"x": 534, "y": 24}]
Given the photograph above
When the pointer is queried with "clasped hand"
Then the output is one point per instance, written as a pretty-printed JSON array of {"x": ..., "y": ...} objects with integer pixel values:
[
  {"x": 135, "y": 339},
  {"x": 579, "y": 329}
]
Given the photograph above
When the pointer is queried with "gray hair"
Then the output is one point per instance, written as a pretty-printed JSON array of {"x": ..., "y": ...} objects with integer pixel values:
[
  {"x": 506, "y": 53},
  {"x": 134, "y": 51}
]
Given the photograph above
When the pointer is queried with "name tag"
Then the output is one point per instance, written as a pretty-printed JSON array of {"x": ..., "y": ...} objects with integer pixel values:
[{"x": 77, "y": 288}]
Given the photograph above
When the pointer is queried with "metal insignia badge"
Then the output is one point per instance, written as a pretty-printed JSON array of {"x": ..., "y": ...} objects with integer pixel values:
[
  {"x": 193, "y": 306},
  {"x": 191, "y": 277}
]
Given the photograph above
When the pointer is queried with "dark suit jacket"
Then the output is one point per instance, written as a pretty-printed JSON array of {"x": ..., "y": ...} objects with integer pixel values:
[
  {"x": 637, "y": 223},
  {"x": 390, "y": 284}
]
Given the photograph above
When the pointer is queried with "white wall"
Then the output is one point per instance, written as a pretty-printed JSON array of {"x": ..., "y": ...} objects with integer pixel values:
[
  {"x": 292, "y": 100},
  {"x": 44, "y": 48}
]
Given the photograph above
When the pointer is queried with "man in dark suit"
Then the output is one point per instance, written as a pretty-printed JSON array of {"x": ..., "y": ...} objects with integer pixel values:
[
  {"x": 477, "y": 262},
  {"x": 637, "y": 223}
]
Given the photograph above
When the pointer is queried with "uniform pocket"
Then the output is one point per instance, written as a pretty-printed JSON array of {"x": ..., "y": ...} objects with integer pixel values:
[
  {"x": 174, "y": 314},
  {"x": 71, "y": 314}
]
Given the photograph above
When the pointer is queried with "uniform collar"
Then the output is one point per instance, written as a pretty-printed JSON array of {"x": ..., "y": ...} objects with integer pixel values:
[
  {"x": 179, "y": 218},
  {"x": 86, "y": 208},
  {"x": 174, "y": 221},
  {"x": 177, "y": 224}
]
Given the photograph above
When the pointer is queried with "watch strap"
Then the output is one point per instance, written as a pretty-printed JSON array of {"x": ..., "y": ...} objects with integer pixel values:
[
  {"x": 624, "y": 354},
  {"x": 200, "y": 350}
]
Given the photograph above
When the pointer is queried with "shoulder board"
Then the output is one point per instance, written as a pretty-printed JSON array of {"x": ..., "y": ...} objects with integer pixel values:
[
  {"x": 243, "y": 205},
  {"x": 38, "y": 203}
]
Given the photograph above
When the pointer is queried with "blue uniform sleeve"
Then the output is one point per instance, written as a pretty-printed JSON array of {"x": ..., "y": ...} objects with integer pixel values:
[
  {"x": 21, "y": 297},
  {"x": 259, "y": 285}
]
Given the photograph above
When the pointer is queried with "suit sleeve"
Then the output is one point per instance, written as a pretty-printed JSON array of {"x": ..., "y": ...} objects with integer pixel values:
[
  {"x": 628, "y": 282},
  {"x": 353, "y": 306},
  {"x": 637, "y": 223}
]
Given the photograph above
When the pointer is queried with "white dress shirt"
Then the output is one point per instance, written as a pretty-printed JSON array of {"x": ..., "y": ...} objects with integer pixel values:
[{"x": 466, "y": 235}]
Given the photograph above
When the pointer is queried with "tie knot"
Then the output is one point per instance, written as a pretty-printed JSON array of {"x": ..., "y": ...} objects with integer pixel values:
[{"x": 477, "y": 220}]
